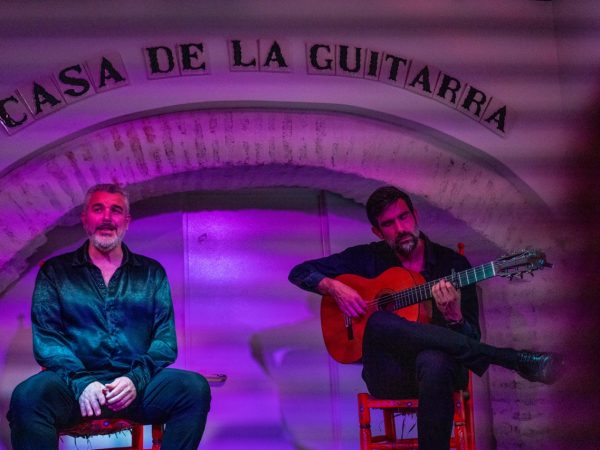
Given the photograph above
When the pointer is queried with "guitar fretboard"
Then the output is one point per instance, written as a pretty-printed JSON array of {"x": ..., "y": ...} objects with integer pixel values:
[{"x": 422, "y": 292}]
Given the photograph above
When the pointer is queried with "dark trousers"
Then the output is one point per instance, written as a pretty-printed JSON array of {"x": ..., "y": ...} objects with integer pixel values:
[
  {"x": 403, "y": 359},
  {"x": 43, "y": 404}
]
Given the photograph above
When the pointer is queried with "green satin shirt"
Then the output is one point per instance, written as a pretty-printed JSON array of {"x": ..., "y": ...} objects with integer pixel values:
[{"x": 87, "y": 331}]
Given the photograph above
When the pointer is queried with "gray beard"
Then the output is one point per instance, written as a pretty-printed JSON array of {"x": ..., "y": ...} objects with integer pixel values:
[{"x": 105, "y": 244}]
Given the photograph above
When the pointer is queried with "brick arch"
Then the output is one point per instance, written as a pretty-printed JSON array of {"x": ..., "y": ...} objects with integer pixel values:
[{"x": 346, "y": 153}]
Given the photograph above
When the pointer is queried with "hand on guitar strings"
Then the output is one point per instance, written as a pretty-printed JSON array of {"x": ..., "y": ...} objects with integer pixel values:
[
  {"x": 447, "y": 299},
  {"x": 349, "y": 301}
]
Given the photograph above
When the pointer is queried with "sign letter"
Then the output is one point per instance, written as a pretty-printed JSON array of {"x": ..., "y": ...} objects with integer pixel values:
[
  {"x": 237, "y": 53},
  {"x": 66, "y": 79},
  {"x": 393, "y": 70},
  {"x": 473, "y": 98},
  {"x": 160, "y": 62},
  {"x": 10, "y": 123},
  {"x": 343, "y": 64},
  {"x": 448, "y": 85},
  {"x": 274, "y": 55},
  {"x": 189, "y": 53},
  {"x": 108, "y": 72},
  {"x": 318, "y": 62}
]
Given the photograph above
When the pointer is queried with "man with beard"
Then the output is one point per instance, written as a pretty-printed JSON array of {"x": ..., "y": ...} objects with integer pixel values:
[
  {"x": 103, "y": 328},
  {"x": 404, "y": 359}
]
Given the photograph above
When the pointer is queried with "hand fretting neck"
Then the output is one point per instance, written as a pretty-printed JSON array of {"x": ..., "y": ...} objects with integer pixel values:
[{"x": 422, "y": 292}]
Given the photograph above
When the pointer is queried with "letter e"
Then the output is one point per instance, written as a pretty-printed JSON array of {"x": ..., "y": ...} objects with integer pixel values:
[{"x": 193, "y": 59}]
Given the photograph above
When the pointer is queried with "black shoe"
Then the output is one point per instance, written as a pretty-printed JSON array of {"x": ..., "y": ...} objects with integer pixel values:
[{"x": 543, "y": 367}]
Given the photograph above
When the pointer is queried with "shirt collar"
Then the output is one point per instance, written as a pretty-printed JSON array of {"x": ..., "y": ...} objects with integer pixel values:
[
  {"x": 430, "y": 255},
  {"x": 81, "y": 256}
]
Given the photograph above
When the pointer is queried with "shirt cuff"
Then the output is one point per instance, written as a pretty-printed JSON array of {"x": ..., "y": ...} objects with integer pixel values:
[
  {"x": 457, "y": 325},
  {"x": 311, "y": 281}
]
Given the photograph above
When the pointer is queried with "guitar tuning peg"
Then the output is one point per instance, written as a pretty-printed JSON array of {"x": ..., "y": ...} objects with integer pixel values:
[{"x": 531, "y": 273}]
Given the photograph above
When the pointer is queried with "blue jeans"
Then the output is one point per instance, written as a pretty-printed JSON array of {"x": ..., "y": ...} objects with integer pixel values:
[
  {"x": 404, "y": 359},
  {"x": 44, "y": 404}
]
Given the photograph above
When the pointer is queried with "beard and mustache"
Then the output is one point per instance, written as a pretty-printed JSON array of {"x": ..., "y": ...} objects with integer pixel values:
[
  {"x": 105, "y": 243},
  {"x": 405, "y": 243}
]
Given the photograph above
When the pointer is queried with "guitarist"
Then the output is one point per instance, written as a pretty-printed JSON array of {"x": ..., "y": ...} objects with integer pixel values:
[{"x": 402, "y": 358}]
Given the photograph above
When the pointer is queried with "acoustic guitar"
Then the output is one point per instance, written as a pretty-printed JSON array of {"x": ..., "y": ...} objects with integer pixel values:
[{"x": 405, "y": 292}]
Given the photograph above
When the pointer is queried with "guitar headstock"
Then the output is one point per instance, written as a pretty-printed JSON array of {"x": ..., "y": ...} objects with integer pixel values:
[{"x": 520, "y": 263}]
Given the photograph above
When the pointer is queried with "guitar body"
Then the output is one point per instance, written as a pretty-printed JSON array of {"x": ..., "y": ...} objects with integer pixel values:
[{"x": 343, "y": 343}]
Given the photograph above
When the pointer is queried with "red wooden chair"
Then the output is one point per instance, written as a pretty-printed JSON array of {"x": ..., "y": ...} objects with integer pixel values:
[
  {"x": 98, "y": 427},
  {"x": 464, "y": 428}
]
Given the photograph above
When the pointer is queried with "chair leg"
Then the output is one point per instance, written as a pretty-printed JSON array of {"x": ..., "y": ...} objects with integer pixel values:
[
  {"x": 364, "y": 419},
  {"x": 461, "y": 433},
  {"x": 470, "y": 423},
  {"x": 157, "y": 435},
  {"x": 389, "y": 425},
  {"x": 137, "y": 437}
]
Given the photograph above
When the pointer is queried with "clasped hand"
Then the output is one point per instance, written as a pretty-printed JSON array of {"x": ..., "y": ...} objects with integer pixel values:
[{"x": 116, "y": 396}]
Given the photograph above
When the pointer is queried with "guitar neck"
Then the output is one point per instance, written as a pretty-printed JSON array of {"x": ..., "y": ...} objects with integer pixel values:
[{"x": 422, "y": 292}]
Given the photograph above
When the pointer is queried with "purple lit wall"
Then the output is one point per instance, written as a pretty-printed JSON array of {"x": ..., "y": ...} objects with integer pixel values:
[{"x": 238, "y": 175}]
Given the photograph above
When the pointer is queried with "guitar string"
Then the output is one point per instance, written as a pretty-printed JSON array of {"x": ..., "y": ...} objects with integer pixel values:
[
  {"x": 419, "y": 293},
  {"x": 425, "y": 288}
]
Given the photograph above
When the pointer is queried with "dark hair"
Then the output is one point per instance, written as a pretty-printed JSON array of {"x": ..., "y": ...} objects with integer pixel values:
[
  {"x": 382, "y": 198},
  {"x": 111, "y": 188}
]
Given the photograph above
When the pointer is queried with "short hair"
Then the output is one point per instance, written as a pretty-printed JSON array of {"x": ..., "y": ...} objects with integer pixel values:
[
  {"x": 111, "y": 188},
  {"x": 382, "y": 198}
]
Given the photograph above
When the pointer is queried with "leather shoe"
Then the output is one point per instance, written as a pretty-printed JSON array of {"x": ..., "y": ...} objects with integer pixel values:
[{"x": 536, "y": 366}]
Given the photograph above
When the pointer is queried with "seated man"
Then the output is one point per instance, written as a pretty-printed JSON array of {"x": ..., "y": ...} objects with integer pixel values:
[
  {"x": 103, "y": 328},
  {"x": 401, "y": 358}
]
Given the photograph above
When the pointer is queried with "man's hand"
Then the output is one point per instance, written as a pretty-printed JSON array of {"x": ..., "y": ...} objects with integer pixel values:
[
  {"x": 91, "y": 399},
  {"x": 348, "y": 300},
  {"x": 120, "y": 393},
  {"x": 447, "y": 299}
]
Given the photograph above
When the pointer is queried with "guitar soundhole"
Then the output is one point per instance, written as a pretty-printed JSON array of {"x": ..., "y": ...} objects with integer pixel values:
[{"x": 384, "y": 302}]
